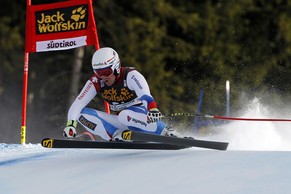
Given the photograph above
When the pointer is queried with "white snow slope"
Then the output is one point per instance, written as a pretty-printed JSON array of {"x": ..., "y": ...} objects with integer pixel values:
[
  {"x": 33, "y": 169},
  {"x": 258, "y": 161}
]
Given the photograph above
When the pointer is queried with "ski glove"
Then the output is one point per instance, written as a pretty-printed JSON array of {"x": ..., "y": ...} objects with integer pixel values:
[
  {"x": 154, "y": 115},
  {"x": 70, "y": 131}
]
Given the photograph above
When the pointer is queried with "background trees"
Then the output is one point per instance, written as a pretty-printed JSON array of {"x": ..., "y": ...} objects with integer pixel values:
[{"x": 180, "y": 46}]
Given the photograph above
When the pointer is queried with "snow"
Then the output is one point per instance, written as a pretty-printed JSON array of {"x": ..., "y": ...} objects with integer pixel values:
[
  {"x": 33, "y": 169},
  {"x": 257, "y": 161}
]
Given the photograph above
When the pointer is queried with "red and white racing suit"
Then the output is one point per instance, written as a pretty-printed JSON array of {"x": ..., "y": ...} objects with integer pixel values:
[{"x": 129, "y": 96}]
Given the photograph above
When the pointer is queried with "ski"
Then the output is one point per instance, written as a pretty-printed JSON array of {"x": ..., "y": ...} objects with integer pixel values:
[
  {"x": 60, "y": 143},
  {"x": 147, "y": 137}
]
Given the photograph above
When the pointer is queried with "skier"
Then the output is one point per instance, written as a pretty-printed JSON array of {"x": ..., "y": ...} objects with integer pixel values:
[{"x": 128, "y": 94}]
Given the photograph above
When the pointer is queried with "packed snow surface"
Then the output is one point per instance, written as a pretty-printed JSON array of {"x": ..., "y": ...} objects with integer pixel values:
[
  {"x": 33, "y": 169},
  {"x": 258, "y": 161}
]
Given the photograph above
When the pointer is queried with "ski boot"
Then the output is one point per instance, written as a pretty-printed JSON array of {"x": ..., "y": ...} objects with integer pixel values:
[
  {"x": 117, "y": 136},
  {"x": 169, "y": 131}
]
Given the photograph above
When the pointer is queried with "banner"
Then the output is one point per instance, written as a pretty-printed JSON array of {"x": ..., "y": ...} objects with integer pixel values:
[{"x": 60, "y": 26}]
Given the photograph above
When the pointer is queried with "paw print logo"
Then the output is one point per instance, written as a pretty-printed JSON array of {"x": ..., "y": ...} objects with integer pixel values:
[
  {"x": 124, "y": 92},
  {"x": 78, "y": 14}
]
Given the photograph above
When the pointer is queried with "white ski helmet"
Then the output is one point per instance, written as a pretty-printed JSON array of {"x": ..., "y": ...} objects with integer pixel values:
[{"x": 105, "y": 60}]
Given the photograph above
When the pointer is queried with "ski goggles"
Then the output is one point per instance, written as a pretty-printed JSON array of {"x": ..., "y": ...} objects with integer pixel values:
[{"x": 103, "y": 73}]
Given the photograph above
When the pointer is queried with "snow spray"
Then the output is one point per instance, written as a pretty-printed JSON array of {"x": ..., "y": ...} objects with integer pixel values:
[{"x": 256, "y": 135}]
